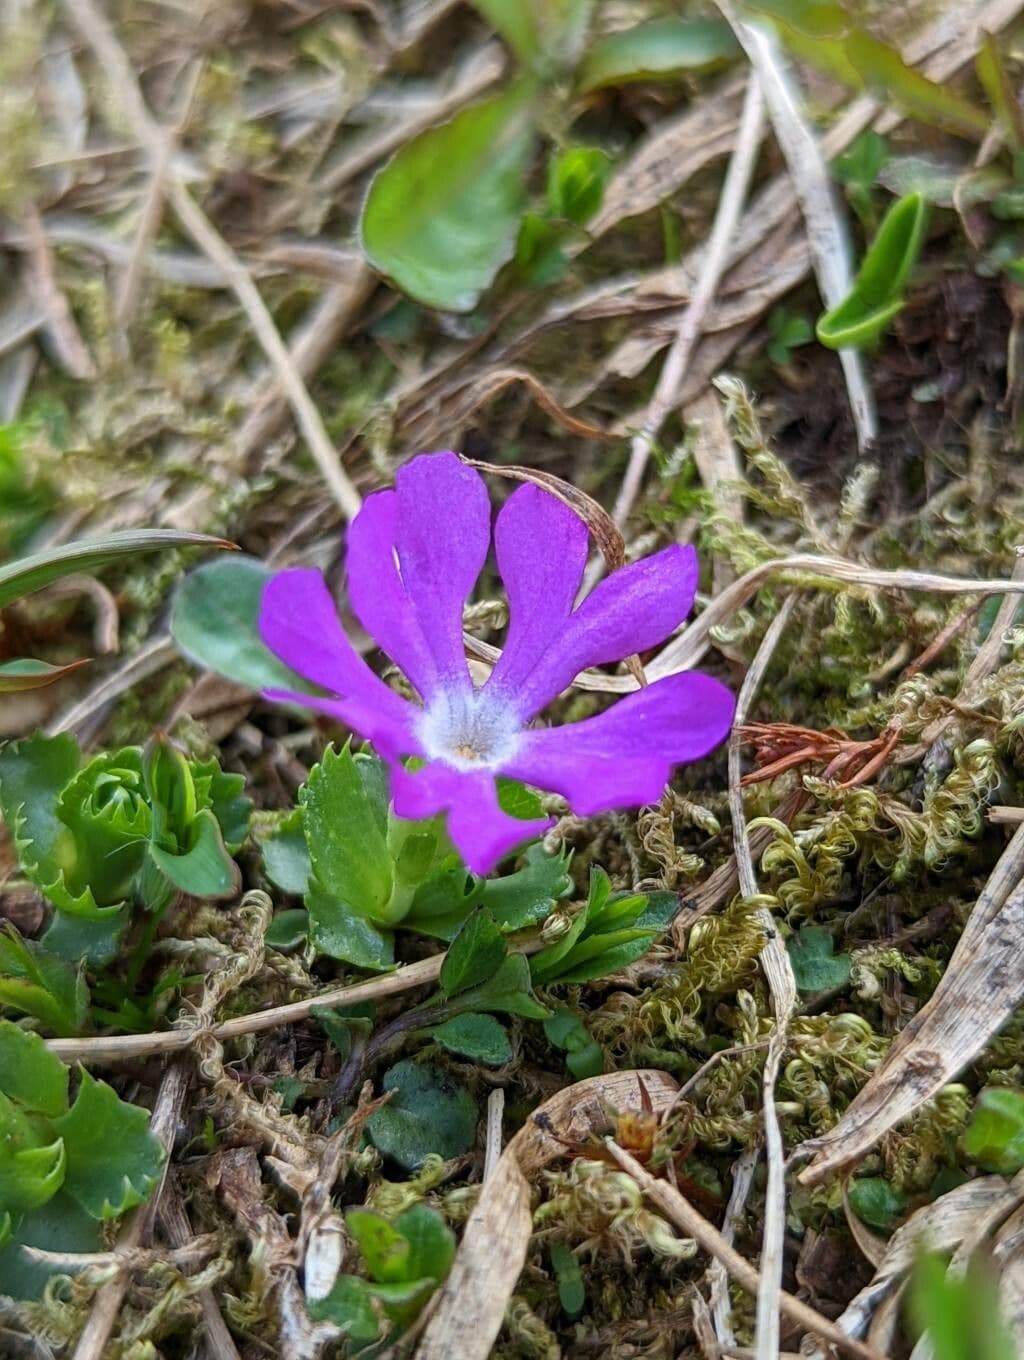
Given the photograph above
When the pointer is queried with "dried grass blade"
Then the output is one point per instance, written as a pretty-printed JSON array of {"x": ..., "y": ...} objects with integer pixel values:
[
  {"x": 982, "y": 986},
  {"x": 471, "y": 1303}
]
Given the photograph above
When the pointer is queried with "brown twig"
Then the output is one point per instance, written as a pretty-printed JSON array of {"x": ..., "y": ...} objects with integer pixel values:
[{"x": 693, "y": 1224}]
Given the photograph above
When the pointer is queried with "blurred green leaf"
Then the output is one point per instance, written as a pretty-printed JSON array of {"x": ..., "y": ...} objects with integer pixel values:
[
  {"x": 442, "y": 216},
  {"x": 995, "y": 1136},
  {"x": 584, "y": 1056},
  {"x": 24, "y": 674},
  {"x": 571, "y": 1293},
  {"x": 999, "y": 89},
  {"x": 876, "y": 1203},
  {"x": 215, "y": 622},
  {"x": 660, "y": 49},
  {"x": 877, "y": 294},
  {"x": 427, "y": 1113},
  {"x": 576, "y": 182},
  {"x": 27, "y": 574},
  {"x": 961, "y": 1314},
  {"x": 37, "y": 983}
]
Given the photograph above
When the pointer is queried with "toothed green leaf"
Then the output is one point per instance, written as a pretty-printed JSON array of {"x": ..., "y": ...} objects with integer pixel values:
[
  {"x": 30, "y": 1074},
  {"x": 113, "y": 1161},
  {"x": 38, "y": 983}
]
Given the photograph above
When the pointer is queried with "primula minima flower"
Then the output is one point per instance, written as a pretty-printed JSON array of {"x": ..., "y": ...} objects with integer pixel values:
[{"x": 414, "y": 555}]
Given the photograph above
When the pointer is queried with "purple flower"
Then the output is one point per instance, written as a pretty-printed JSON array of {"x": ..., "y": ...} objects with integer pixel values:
[{"x": 414, "y": 555}]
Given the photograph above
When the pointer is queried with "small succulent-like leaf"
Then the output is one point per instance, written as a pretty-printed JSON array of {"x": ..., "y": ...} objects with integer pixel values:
[
  {"x": 113, "y": 1161},
  {"x": 224, "y": 795},
  {"x": 30, "y": 1073},
  {"x": 584, "y": 1056},
  {"x": 288, "y": 929},
  {"x": 474, "y": 955},
  {"x": 441, "y": 217},
  {"x": 660, "y": 49},
  {"x": 478, "y": 1037},
  {"x": 26, "y": 673},
  {"x": 571, "y": 1293},
  {"x": 427, "y": 1113},
  {"x": 204, "y": 868},
  {"x": 347, "y": 845},
  {"x": 875, "y": 1202}
]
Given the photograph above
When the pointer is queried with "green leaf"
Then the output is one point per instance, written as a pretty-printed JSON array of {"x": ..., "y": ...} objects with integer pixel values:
[
  {"x": 75, "y": 939},
  {"x": 286, "y": 855},
  {"x": 442, "y": 216},
  {"x": 30, "y": 1073},
  {"x": 17, "y": 676},
  {"x": 114, "y": 1161},
  {"x": 816, "y": 966},
  {"x": 28, "y": 574},
  {"x": 998, "y": 87},
  {"x": 576, "y": 181},
  {"x": 571, "y": 1293},
  {"x": 995, "y": 1136},
  {"x": 335, "y": 930},
  {"x": 60, "y": 1226},
  {"x": 479, "y": 1037},
  {"x": 385, "y": 1251},
  {"x": 876, "y": 1203},
  {"x": 546, "y": 34},
  {"x": 960, "y": 1313},
  {"x": 528, "y": 896},
  {"x": 32, "y": 1160},
  {"x": 518, "y": 800},
  {"x": 204, "y": 869},
  {"x": 349, "y": 1306},
  {"x": 660, "y": 49},
  {"x": 225, "y": 794},
  {"x": 885, "y": 73},
  {"x": 508, "y": 991},
  {"x": 32, "y": 775},
  {"x": 877, "y": 293},
  {"x": 585, "y": 1057},
  {"x": 516, "y": 22},
  {"x": 39, "y": 984},
  {"x": 287, "y": 929},
  {"x": 346, "y": 842},
  {"x": 428, "y": 1113},
  {"x": 215, "y": 622},
  {"x": 862, "y": 163},
  {"x": 474, "y": 955},
  {"x": 431, "y": 1242},
  {"x": 609, "y": 961}
]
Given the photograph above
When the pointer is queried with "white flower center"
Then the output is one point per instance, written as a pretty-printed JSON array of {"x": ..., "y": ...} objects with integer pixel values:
[{"x": 469, "y": 731}]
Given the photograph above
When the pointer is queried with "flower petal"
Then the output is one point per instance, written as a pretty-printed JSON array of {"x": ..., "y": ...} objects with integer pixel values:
[
  {"x": 299, "y": 623},
  {"x": 624, "y": 757},
  {"x": 481, "y": 832},
  {"x": 391, "y": 729},
  {"x": 542, "y": 551},
  {"x": 634, "y": 608},
  {"x": 378, "y": 595},
  {"x": 444, "y": 533}
]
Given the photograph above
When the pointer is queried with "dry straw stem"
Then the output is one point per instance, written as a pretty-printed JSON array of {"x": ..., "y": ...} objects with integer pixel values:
[
  {"x": 670, "y": 380},
  {"x": 981, "y": 988},
  {"x": 99, "y": 34},
  {"x": 779, "y": 971},
  {"x": 826, "y": 226},
  {"x": 471, "y": 1303},
  {"x": 940, "y": 1226},
  {"x": 178, "y": 1230},
  {"x": 92, "y": 1344},
  {"x": 686, "y": 651},
  {"x": 681, "y": 1212}
]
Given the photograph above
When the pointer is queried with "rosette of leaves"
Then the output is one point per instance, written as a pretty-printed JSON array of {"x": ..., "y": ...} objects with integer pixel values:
[
  {"x": 128, "y": 826},
  {"x": 405, "y": 1260},
  {"x": 66, "y": 1166},
  {"x": 609, "y": 932},
  {"x": 363, "y": 872}
]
